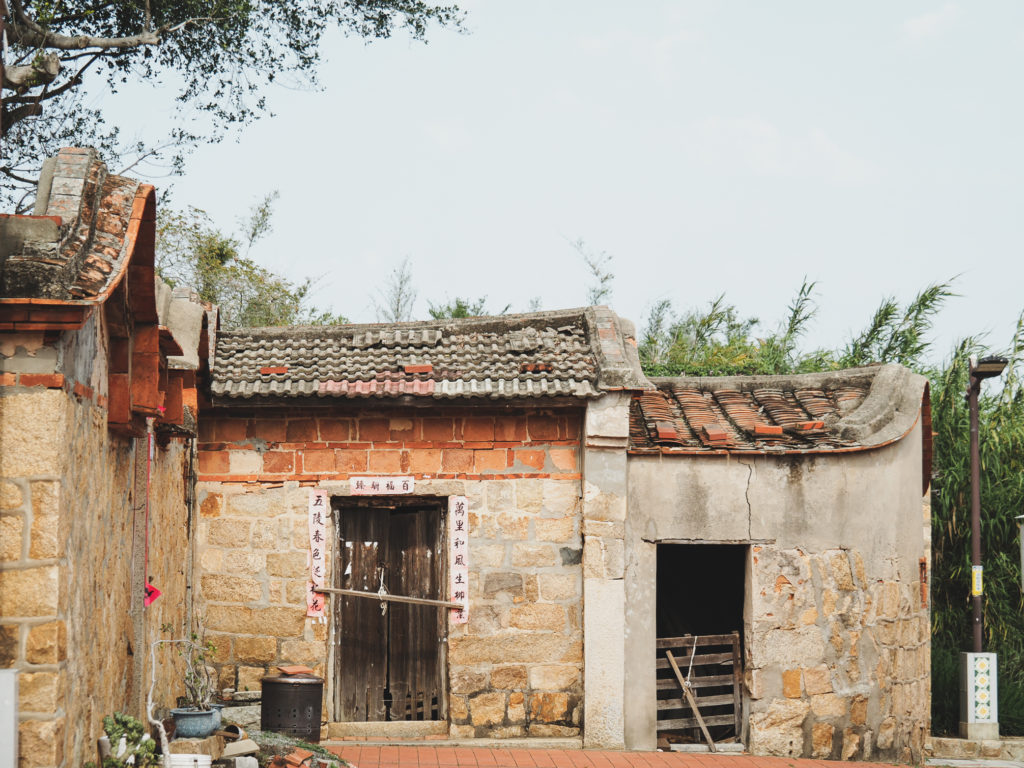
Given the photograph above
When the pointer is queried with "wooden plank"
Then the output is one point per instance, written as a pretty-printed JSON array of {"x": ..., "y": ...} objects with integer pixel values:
[
  {"x": 361, "y": 666},
  {"x": 702, "y": 661},
  {"x": 377, "y": 678},
  {"x": 690, "y": 722},
  {"x": 720, "y": 700},
  {"x": 416, "y": 582},
  {"x": 709, "y": 681},
  {"x": 689, "y": 698},
  {"x": 414, "y": 665},
  {"x": 427, "y": 527},
  {"x": 687, "y": 641},
  {"x": 399, "y": 615},
  {"x": 390, "y": 598},
  {"x": 737, "y": 672},
  {"x": 439, "y": 573}
]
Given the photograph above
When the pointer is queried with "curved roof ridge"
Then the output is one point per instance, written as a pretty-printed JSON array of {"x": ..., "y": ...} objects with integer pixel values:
[
  {"x": 833, "y": 411},
  {"x": 889, "y": 411}
]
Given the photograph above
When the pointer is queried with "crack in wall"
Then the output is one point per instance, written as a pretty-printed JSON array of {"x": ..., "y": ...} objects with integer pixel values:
[{"x": 746, "y": 496}]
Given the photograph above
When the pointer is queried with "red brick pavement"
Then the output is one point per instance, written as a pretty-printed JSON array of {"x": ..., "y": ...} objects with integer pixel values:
[{"x": 482, "y": 757}]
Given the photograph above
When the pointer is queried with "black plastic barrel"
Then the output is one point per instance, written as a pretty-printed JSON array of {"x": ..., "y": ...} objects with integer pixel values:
[{"x": 292, "y": 705}]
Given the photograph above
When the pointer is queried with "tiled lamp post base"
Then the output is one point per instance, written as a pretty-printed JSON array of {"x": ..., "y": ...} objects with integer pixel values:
[{"x": 979, "y": 704}]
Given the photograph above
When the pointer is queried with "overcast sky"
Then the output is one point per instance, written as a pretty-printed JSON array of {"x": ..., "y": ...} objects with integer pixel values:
[{"x": 710, "y": 147}]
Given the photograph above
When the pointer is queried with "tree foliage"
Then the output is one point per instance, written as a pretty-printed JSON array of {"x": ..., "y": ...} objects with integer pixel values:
[
  {"x": 459, "y": 307},
  {"x": 719, "y": 341},
  {"x": 897, "y": 336},
  {"x": 217, "y": 55},
  {"x": 192, "y": 252}
]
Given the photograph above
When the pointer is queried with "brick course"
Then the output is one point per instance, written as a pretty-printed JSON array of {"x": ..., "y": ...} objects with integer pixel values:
[{"x": 311, "y": 447}]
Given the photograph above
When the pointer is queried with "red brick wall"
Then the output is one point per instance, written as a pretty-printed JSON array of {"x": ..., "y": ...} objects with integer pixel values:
[{"x": 311, "y": 445}]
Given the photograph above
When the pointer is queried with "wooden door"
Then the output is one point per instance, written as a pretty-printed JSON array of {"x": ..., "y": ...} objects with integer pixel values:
[{"x": 389, "y": 665}]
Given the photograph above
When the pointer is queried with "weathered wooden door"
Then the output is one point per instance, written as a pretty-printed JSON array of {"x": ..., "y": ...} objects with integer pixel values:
[{"x": 389, "y": 664}]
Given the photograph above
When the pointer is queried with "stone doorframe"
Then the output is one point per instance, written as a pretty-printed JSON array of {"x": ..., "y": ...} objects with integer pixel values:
[
  {"x": 605, "y": 443},
  {"x": 640, "y": 683}
]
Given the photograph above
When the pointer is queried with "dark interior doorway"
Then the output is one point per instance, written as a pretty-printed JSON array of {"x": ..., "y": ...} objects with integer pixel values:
[
  {"x": 700, "y": 589},
  {"x": 699, "y": 622},
  {"x": 389, "y": 664}
]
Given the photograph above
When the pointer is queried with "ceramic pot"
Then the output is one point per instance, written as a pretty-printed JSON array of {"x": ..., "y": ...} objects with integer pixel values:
[{"x": 192, "y": 723}]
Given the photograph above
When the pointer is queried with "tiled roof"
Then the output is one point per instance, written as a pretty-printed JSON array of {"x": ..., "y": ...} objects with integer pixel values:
[
  {"x": 75, "y": 246},
  {"x": 846, "y": 410},
  {"x": 574, "y": 353}
]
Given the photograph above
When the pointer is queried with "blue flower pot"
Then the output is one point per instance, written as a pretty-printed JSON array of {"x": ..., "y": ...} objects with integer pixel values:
[{"x": 191, "y": 723}]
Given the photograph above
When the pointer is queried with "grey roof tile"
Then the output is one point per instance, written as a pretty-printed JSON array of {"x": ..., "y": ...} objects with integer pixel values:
[{"x": 574, "y": 353}]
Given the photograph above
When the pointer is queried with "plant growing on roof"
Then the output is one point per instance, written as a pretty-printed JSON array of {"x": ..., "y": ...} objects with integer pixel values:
[{"x": 598, "y": 265}]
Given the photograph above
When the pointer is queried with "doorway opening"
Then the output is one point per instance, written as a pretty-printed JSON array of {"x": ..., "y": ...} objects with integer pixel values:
[
  {"x": 389, "y": 663},
  {"x": 699, "y": 622}
]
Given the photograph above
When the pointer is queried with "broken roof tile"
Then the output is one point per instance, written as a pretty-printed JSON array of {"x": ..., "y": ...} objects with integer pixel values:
[{"x": 846, "y": 410}]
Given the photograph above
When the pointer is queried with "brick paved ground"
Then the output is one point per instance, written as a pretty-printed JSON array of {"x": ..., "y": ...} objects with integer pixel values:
[{"x": 479, "y": 757}]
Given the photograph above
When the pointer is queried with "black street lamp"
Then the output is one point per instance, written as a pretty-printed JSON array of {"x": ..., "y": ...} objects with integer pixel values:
[{"x": 985, "y": 368}]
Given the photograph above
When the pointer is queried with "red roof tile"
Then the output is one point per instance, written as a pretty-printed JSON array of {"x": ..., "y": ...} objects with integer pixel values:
[{"x": 795, "y": 414}]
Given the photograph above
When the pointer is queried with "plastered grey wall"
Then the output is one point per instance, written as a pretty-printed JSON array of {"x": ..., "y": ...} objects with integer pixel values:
[{"x": 836, "y": 636}]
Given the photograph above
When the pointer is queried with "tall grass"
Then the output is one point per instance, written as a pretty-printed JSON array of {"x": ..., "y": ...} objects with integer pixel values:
[{"x": 1001, "y": 441}]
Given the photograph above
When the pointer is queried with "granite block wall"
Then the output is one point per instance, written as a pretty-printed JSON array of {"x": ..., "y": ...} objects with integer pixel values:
[{"x": 515, "y": 668}]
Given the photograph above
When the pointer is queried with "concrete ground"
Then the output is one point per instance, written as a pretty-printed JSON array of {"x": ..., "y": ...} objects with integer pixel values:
[{"x": 496, "y": 757}]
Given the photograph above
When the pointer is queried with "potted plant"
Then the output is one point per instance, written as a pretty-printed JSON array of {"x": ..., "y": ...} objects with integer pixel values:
[{"x": 199, "y": 717}]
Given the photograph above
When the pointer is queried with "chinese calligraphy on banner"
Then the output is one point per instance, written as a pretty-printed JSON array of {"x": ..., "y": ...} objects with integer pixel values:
[
  {"x": 369, "y": 486},
  {"x": 458, "y": 557},
  {"x": 319, "y": 508}
]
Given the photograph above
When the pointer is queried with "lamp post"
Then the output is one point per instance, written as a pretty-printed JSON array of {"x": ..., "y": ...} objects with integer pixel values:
[
  {"x": 980, "y": 370},
  {"x": 979, "y": 706}
]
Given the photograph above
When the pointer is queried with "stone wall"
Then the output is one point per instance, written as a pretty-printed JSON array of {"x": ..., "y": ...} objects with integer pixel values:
[
  {"x": 67, "y": 514},
  {"x": 837, "y": 661},
  {"x": 516, "y": 667}
]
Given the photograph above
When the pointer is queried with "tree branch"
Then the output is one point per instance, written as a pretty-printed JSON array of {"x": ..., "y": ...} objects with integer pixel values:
[
  {"x": 34, "y": 107},
  {"x": 42, "y": 71},
  {"x": 20, "y": 113},
  {"x": 27, "y": 31},
  {"x": 10, "y": 174},
  {"x": 172, "y": 28},
  {"x": 148, "y": 153}
]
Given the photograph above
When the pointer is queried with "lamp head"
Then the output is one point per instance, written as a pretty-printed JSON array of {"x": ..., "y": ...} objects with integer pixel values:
[{"x": 987, "y": 367}]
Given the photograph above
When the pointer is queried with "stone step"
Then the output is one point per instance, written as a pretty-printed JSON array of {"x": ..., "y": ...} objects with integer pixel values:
[
  {"x": 1007, "y": 748},
  {"x": 387, "y": 731},
  {"x": 514, "y": 743}
]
